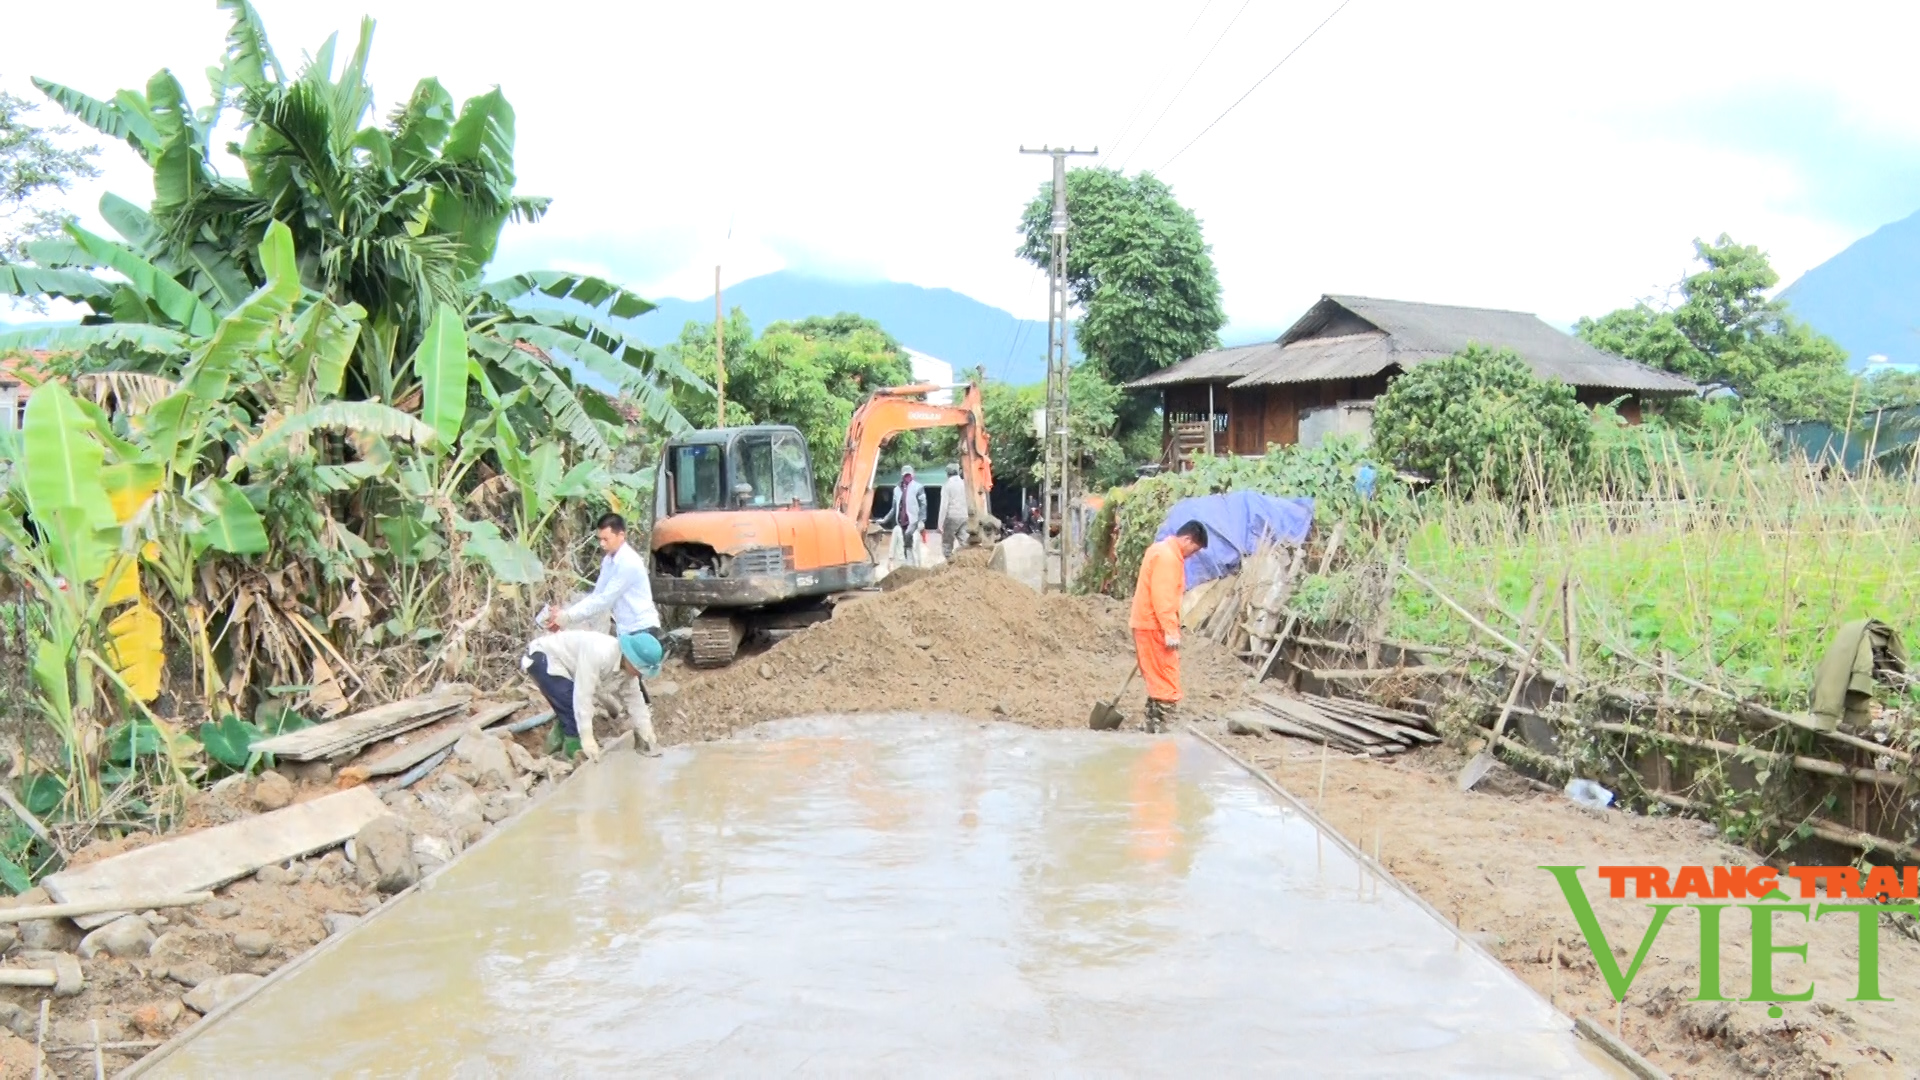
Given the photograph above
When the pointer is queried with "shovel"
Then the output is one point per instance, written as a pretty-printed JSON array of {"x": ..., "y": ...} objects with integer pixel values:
[{"x": 1105, "y": 717}]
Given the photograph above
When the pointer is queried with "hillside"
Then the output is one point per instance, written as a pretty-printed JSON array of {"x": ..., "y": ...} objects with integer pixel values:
[
  {"x": 943, "y": 323},
  {"x": 1867, "y": 297}
]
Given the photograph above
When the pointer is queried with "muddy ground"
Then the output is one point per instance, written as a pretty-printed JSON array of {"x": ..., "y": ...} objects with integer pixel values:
[
  {"x": 970, "y": 641},
  {"x": 1476, "y": 857}
]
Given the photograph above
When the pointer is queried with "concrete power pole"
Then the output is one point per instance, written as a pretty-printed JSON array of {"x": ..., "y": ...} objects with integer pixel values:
[
  {"x": 719, "y": 356},
  {"x": 1057, "y": 477}
]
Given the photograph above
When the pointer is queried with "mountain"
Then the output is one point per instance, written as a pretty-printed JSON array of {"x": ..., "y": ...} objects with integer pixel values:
[
  {"x": 1867, "y": 298},
  {"x": 954, "y": 327}
]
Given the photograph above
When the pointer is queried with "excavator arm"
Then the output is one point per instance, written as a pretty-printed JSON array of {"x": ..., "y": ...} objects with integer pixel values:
[{"x": 893, "y": 410}]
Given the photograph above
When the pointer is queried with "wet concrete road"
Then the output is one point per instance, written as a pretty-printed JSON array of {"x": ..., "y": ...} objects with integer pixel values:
[{"x": 901, "y": 896}]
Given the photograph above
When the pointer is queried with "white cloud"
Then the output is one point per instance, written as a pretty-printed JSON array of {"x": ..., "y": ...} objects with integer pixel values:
[{"x": 1539, "y": 156}]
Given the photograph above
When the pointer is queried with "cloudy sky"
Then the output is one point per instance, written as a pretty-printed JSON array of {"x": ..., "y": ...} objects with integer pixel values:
[{"x": 1556, "y": 158}]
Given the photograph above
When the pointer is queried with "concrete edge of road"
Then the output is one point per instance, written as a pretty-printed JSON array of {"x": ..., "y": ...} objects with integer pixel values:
[
  {"x": 1594, "y": 1033},
  {"x": 623, "y": 743}
]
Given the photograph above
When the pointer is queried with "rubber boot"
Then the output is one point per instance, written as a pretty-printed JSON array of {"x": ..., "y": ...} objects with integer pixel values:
[{"x": 1159, "y": 716}]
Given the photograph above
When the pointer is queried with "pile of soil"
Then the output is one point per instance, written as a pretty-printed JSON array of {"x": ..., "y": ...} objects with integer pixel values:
[
  {"x": 963, "y": 640},
  {"x": 1475, "y": 856}
]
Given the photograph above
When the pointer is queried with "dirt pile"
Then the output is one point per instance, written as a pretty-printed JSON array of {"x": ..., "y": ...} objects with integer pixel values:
[{"x": 963, "y": 640}]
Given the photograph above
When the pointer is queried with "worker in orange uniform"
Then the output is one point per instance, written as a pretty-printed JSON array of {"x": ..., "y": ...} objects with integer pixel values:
[{"x": 1156, "y": 619}]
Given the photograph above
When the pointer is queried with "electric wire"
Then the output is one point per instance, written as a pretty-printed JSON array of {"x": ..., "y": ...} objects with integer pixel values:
[
  {"x": 1183, "y": 86},
  {"x": 1236, "y": 101},
  {"x": 1113, "y": 144}
]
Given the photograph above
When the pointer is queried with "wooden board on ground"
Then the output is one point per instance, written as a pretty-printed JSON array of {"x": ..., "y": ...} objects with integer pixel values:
[
  {"x": 428, "y": 743},
  {"x": 353, "y": 732},
  {"x": 1380, "y": 712},
  {"x": 1302, "y": 713},
  {"x": 1263, "y": 721},
  {"x": 212, "y": 857},
  {"x": 1398, "y": 732}
]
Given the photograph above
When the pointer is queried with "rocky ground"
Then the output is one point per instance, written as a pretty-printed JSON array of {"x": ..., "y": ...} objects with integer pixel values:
[{"x": 151, "y": 975}]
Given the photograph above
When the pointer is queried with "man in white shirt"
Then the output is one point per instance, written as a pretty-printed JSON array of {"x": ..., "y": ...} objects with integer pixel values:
[
  {"x": 622, "y": 589},
  {"x": 953, "y": 510},
  {"x": 909, "y": 514},
  {"x": 581, "y": 672}
]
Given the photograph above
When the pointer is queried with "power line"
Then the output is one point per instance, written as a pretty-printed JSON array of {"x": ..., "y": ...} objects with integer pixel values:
[
  {"x": 1236, "y": 101},
  {"x": 1184, "y": 85},
  {"x": 1113, "y": 144}
]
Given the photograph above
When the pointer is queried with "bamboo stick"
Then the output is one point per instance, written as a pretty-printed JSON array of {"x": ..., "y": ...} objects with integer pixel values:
[{"x": 95, "y": 907}]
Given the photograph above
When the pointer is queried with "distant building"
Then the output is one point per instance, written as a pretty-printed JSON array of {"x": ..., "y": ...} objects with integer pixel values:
[
  {"x": 14, "y": 391},
  {"x": 1321, "y": 377},
  {"x": 932, "y": 369}
]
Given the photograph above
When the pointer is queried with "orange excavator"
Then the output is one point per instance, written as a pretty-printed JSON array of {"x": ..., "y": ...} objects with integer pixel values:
[{"x": 739, "y": 535}]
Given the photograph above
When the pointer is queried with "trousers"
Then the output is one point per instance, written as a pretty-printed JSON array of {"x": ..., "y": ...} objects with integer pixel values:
[
  {"x": 950, "y": 536},
  {"x": 558, "y": 692},
  {"x": 1159, "y": 665}
]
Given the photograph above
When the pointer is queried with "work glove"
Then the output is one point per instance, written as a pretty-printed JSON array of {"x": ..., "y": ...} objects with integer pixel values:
[{"x": 1173, "y": 641}]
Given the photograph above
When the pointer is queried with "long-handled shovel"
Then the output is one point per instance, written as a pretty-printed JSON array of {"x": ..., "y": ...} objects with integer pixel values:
[{"x": 1106, "y": 716}]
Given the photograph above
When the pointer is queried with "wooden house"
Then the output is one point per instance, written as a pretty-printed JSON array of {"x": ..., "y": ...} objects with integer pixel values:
[{"x": 1321, "y": 377}]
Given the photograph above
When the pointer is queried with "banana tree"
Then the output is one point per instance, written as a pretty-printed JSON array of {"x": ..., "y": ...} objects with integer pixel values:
[{"x": 399, "y": 219}]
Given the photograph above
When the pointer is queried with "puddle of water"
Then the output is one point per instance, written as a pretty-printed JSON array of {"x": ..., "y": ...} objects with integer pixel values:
[{"x": 899, "y": 894}]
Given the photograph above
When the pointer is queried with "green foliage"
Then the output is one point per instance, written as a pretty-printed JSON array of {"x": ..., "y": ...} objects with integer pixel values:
[
  {"x": 1325, "y": 473},
  {"x": 34, "y": 163},
  {"x": 1137, "y": 265},
  {"x": 1727, "y": 333},
  {"x": 1481, "y": 417},
  {"x": 230, "y": 742},
  {"x": 811, "y": 374},
  {"x": 395, "y": 223}
]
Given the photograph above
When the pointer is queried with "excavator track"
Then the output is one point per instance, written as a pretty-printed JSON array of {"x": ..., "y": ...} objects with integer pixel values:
[{"x": 716, "y": 640}]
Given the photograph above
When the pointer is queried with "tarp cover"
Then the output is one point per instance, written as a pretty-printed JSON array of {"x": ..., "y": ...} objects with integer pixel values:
[{"x": 1236, "y": 522}]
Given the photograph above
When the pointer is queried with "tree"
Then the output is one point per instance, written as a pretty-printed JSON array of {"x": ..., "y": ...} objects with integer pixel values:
[
  {"x": 397, "y": 221},
  {"x": 1727, "y": 334},
  {"x": 811, "y": 374},
  {"x": 33, "y": 165},
  {"x": 1137, "y": 265},
  {"x": 1481, "y": 417}
]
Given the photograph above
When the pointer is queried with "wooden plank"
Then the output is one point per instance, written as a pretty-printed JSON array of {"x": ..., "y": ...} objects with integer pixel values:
[
  {"x": 94, "y": 907},
  {"x": 1256, "y": 718},
  {"x": 212, "y": 857},
  {"x": 382, "y": 721},
  {"x": 1302, "y": 713},
  {"x": 1368, "y": 708},
  {"x": 402, "y": 758},
  {"x": 1387, "y": 728}
]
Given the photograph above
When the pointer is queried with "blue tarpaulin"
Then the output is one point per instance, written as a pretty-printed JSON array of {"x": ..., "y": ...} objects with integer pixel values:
[{"x": 1236, "y": 522}]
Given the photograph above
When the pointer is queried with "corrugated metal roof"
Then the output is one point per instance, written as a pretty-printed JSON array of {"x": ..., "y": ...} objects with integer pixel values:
[
  {"x": 1216, "y": 366},
  {"x": 1409, "y": 334}
]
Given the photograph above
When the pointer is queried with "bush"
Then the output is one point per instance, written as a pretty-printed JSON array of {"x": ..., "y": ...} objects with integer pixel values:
[{"x": 1481, "y": 419}]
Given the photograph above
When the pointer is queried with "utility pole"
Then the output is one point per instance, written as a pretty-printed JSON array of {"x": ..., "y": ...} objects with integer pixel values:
[
  {"x": 719, "y": 356},
  {"x": 1057, "y": 479}
]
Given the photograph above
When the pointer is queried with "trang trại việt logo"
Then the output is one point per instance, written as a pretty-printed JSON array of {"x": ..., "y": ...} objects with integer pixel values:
[{"x": 1884, "y": 890}]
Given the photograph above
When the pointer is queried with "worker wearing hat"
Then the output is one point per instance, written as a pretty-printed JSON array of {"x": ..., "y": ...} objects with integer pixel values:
[
  {"x": 581, "y": 672},
  {"x": 909, "y": 512}
]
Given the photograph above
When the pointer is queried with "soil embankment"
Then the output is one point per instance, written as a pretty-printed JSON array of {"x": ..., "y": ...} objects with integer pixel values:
[{"x": 964, "y": 640}]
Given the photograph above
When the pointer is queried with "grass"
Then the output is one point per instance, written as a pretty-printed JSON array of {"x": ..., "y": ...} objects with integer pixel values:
[{"x": 1739, "y": 570}]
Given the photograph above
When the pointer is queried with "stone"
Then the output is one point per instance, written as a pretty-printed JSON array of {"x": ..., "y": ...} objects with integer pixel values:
[
  {"x": 766, "y": 671},
  {"x": 126, "y": 937},
  {"x": 448, "y": 796},
  {"x": 923, "y": 643},
  {"x": 273, "y": 875},
  {"x": 486, "y": 759},
  {"x": 502, "y": 805},
  {"x": 214, "y": 993},
  {"x": 157, "y": 1017},
  {"x": 220, "y": 909},
  {"x": 9, "y": 937},
  {"x": 338, "y": 922},
  {"x": 80, "y": 1032},
  {"x": 432, "y": 849},
  {"x": 308, "y": 772},
  {"x": 17, "y": 1020},
  {"x": 253, "y": 942},
  {"x": 385, "y": 848},
  {"x": 524, "y": 759},
  {"x": 69, "y": 978},
  {"x": 191, "y": 973},
  {"x": 1022, "y": 558},
  {"x": 465, "y": 830},
  {"x": 49, "y": 935},
  {"x": 272, "y": 791}
]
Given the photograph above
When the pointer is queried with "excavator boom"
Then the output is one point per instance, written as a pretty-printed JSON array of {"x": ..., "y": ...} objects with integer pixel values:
[{"x": 893, "y": 410}]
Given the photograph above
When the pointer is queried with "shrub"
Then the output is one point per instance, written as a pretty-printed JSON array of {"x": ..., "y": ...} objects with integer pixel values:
[{"x": 1481, "y": 419}]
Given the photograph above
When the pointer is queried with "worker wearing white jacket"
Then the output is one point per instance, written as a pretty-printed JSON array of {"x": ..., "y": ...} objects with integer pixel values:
[
  {"x": 581, "y": 672},
  {"x": 909, "y": 514},
  {"x": 622, "y": 590},
  {"x": 953, "y": 510}
]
